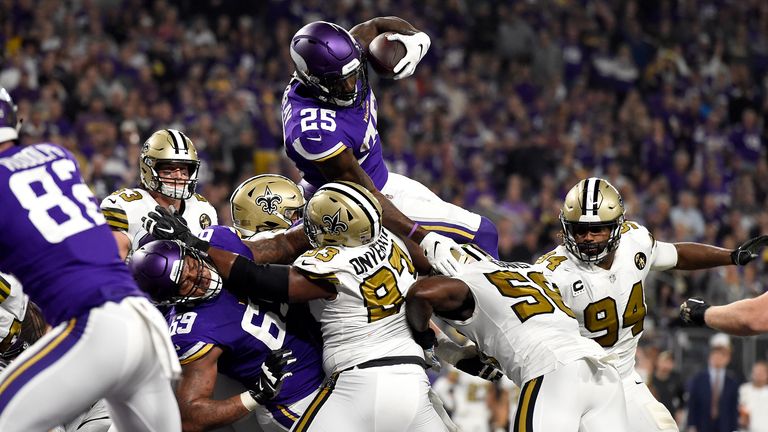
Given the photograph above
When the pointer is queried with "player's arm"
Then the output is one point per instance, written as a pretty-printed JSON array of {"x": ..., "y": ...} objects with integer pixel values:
[
  {"x": 345, "y": 167},
  {"x": 272, "y": 282},
  {"x": 440, "y": 295},
  {"x": 123, "y": 243},
  {"x": 198, "y": 410},
  {"x": 280, "y": 249},
  {"x": 416, "y": 42},
  {"x": 693, "y": 256},
  {"x": 117, "y": 220},
  {"x": 366, "y": 31},
  {"x": 741, "y": 318}
]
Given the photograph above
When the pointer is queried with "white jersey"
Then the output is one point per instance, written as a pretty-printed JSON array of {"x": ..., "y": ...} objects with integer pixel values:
[
  {"x": 125, "y": 208},
  {"x": 13, "y": 308},
  {"x": 609, "y": 304},
  {"x": 521, "y": 321},
  {"x": 366, "y": 320}
]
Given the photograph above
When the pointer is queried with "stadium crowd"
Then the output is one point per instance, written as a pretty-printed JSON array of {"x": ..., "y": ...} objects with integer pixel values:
[{"x": 514, "y": 103}]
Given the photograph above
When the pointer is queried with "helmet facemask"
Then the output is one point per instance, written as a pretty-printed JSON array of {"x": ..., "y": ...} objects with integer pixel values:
[
  {"x": 171, "y": 273},
  {"x": 330, "y": 63},
  {"x": 592, "y": 252},
  {"x": 196, "y": 278},
  {"x": 593, "y": 207},
  {"x": 169, "y": 146},
  {"x": 175, "y": 187}
]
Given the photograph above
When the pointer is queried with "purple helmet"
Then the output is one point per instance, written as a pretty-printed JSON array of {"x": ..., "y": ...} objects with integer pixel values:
[
  {"x": 159, "y": 266},
  {"x": 9, "y": 123},
  {"x": 327, "y": 58}
]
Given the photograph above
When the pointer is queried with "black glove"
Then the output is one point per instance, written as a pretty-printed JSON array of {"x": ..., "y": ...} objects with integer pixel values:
[
  {"x": 747, "y": 251},
  {"x": 273, "y": 374},
  {"x": 164, "y": 225},
  {"x": 426, "y": 339},
  {"x": 692, "y": 311},
  {"x": 481, "y": 366}
]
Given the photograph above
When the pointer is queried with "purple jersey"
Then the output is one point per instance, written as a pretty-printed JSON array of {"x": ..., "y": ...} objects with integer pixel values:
[
  {"x": 314, "y": 131},
  {"x": 55, "y": 239},
  {"x": 247, "y": 332}
]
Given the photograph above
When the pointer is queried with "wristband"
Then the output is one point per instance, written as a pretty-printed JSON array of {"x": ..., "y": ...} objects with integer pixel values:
[
  {"x": 413, "y": 229},
  {"x": 248, "y": 401}
]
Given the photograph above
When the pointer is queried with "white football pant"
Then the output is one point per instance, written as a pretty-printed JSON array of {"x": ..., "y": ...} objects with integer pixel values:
[
  {"x": 119, "y": 352},
  {"x": 646, "y": 414},
  {"x": 583, "y": 396},
  {"x": 377, "y": 399}
]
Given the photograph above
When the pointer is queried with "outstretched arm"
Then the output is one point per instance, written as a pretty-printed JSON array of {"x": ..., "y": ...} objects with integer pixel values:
[
  {"x": 694, "y": 256},
  {"x": 741, "y": 318},
  {"x": 280, "y": 249},
  {"x": 271, "y": 282}
]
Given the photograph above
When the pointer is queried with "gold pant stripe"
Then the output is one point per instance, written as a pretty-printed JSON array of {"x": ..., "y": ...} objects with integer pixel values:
[
  {"x": 316, "y": 404},
  {"x": 27, "y": 364},
  {"x": 460, "y": 232},
  {"x": 524, "y": 417}
]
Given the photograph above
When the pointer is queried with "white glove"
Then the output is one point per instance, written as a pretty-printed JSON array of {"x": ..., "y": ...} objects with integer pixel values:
[
  {"x": 439, "y": 252},
  {"x": 416, "y": 47}
]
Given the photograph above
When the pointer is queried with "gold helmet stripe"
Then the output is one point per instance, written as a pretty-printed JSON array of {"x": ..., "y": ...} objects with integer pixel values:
[{"x": 179, "y": 141}]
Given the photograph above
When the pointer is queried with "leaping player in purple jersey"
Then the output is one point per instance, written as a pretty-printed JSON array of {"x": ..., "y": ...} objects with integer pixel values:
[
  {"x": 330, "y": 132},
  {"x": 108, "y": 341}
]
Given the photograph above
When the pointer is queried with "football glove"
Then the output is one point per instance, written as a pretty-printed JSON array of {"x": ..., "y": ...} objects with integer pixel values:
[
  {"x": 416, "y": 47},
  {"x": 482, "y": 366},
  {"x": 273, "y": 374},
  {"x": 692, "y": 311},
  {"x": 439, "y": 252},
  {"x": 165, "y": 225},
  {"x": 748, "y": 250}
]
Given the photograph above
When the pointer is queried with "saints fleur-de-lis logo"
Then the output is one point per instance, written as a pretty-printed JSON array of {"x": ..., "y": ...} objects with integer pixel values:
[
  {"x": 269, "y": 201},
  {"x": 332, "y": 224}
]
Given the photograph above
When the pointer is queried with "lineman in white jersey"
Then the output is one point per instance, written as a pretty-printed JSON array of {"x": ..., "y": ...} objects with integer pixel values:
[
  {"x": 601, "y": 270},
  {"x": 168, "y": 166},
  {"x": 514, "y": 314}
]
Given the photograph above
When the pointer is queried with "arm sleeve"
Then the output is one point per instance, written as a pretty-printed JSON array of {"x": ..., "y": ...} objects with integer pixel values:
[
  {"x": 258, "y": 281},
  {"x": 664, "y": 256},
  {"x": 115, "y": 214}
]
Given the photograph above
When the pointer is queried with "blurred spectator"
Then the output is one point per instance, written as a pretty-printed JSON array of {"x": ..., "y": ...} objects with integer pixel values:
[
  {"x": 753, "y": 400},
  {"x": 713, "y": 394},
  {"x": 667, "y": 385}
]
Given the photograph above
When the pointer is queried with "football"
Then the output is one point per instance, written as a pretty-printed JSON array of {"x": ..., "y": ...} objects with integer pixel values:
[{"x": 384, "y": 55}]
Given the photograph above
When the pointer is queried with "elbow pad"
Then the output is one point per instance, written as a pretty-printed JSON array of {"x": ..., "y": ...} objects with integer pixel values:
[{"x": 258, "y": 281}]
